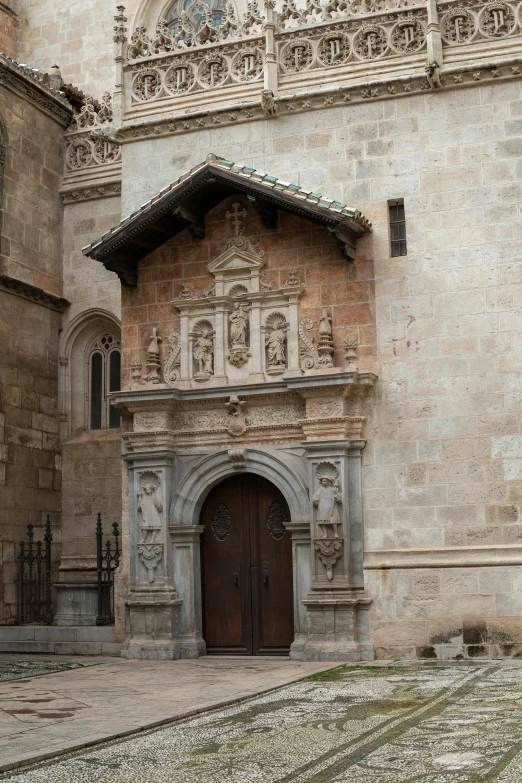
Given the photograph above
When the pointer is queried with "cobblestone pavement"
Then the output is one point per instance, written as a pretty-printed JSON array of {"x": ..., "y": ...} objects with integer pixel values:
[
  {"x": 20, "y": 669},
  {"x": 45, "y": 716},
  {"x": 391, "y": 724}
]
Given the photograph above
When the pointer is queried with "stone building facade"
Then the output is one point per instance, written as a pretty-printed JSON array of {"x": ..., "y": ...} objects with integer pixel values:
[{"x": 404, "y": 409}]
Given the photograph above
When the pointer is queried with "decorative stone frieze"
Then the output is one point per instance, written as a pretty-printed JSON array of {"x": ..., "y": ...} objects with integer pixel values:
[
  {"x": 465, "y": 23},
  {"x": 75, "y": 195},
  {"x": 383, "y": 87}
]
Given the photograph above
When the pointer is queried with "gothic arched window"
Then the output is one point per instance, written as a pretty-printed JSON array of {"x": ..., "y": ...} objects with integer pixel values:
[
  {"x": 104, "y": 372},
  {"x": 195, "y": 10}
]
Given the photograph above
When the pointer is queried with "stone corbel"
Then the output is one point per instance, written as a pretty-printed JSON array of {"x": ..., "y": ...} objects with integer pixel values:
[
  {"x": 192, "y": 220},
  {"x": 267, "y": 211},
  {"x": 345, "y": 243}
]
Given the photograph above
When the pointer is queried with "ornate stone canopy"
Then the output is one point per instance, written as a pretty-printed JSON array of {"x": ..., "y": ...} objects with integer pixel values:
[{"x": 185, "y": 202}]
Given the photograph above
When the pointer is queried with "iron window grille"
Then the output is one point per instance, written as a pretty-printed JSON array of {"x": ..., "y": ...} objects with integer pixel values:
[{"x": 397, "y": 229}]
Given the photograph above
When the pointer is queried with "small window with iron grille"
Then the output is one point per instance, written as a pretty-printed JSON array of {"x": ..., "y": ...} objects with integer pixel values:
[{"x": 397, "y": 229}]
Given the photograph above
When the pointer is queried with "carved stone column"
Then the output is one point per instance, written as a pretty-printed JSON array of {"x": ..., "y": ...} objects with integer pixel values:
[
  {"x": 256, "y": 375},
  {"x": 293, "y": 337},
  {"x": 270, "y": 75}
]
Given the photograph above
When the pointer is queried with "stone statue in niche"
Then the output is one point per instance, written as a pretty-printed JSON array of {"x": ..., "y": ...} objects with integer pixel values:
[
  {"x": 327, "y": 500},
  {"x": 150, "y": 506},
  {"x": 238, "y": 319},
  {"x": 238, "y": 326},
  {"x": 204, "y": 352},
  {"x": 275, "y": 342}
]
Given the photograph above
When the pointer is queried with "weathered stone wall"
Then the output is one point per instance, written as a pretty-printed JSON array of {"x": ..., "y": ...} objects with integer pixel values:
[
  {"x": 29, "y": 333},
  {"x": 32, "y": 211},
  {"x": 30, "y": 462},
  {"x": 87, "y": 284},
  {"x": 92, "y": 459},
  {"x": 346, "y": 289},
  {"x": 8, "y": 28},
  {"x": 442, "y": 469}
]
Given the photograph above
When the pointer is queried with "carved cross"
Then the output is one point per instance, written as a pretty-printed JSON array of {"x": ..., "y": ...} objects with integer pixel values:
[{"x": 235, "y": 216}]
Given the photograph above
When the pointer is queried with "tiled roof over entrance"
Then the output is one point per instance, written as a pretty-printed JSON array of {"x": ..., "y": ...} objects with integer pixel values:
[{"x": 184, "y": 203}]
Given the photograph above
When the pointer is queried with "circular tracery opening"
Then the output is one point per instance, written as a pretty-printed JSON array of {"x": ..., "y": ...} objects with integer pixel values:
[{"x": 195, "y": 10}]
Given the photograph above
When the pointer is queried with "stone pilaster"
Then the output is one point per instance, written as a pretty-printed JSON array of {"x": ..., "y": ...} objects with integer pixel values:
[
  {"x": 186, "y": 561},
  {"x": 152, "y": 605}
]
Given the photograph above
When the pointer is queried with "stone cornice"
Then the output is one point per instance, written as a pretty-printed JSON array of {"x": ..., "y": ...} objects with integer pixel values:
[
  {"x": 164, "y": 394},
  {"x": 34, "y": 294},
  {"x": 444, "y": 557},
  {"x": 88, "y": 192},
  {"x": 24, "y": 83},
  {"x": 393, "y": 87}
]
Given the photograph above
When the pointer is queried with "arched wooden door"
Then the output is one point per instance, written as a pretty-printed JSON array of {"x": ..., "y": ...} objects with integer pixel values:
[{"x": 247, "y": 569}]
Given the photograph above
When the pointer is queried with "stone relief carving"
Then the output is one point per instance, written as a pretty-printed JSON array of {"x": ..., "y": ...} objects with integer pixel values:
[
  {"x": 293, "y": 281},
  {"x": 268, "y": 103},
  {"x": 89, "y": 141},
  {"x": 151, "y": 556},
  {"x": 273, "y": 415},
  {"x": 327, "y": 501},
  {"x": 350, "y": 346},
  {"x": 236, "y": 421},
  {"x": 251, "y": 326},
  {"x": 320, "y": 409},
  {"x": 153, "y": 358},
  {"x": 170, "y": 371},
  {"x": 221, "y": 523},
  {"x": 151, "y": 420},
  {"x": 320, "y": 356},
  {"x": 329, "y": 552},
  {"x": 309, "y": 355},
  {"x": 497, "y": 20},
  {"x": 276, "y": 520},
  {"x": 458, "y": 25},
  {"x": 237, "y": 458},
  {"x": 150, "y": 506},
  {"x": 203, "y": 351},
  {"x": 150, "y": 510}
]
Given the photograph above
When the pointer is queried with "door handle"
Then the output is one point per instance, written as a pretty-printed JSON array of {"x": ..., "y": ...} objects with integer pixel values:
[
  {"x": 265, "y": 571},
  {"x": 236, "y": 578}
]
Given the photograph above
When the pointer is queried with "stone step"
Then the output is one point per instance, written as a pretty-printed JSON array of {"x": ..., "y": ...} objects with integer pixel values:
[{"x": 49, "y": 639}]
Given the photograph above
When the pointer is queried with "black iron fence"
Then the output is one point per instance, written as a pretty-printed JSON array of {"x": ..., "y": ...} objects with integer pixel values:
[
  {"x": 33, "y": 582},
  {"x": 107, "y": 561}
]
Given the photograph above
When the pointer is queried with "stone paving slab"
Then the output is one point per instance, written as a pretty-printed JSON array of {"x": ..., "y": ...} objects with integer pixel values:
[
  {"x": 405, "y": 723},
  {"x": 48, "y": 715}
]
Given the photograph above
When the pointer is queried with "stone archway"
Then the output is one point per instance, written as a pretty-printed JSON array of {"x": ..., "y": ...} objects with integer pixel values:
[{"x": 284, "y": 471}]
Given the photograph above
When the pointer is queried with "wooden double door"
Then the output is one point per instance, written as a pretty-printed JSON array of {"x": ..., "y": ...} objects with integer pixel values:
[{"x": 247, "y": 569}]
